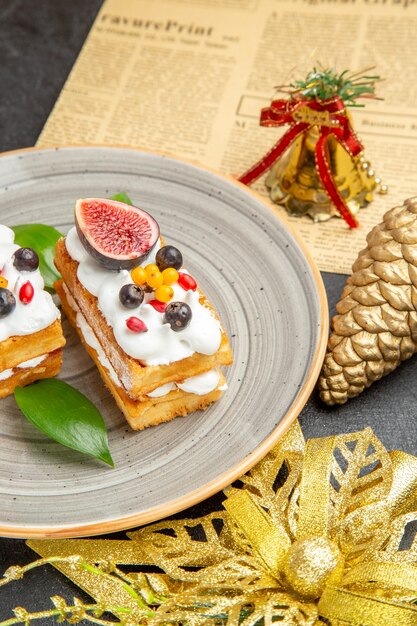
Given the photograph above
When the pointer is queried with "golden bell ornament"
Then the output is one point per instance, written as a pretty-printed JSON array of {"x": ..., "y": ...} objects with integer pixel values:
[
  {"x": 295, "y": 183},
  {"x": 325, "y": 172},
  {"x": 376, "y": 323}
]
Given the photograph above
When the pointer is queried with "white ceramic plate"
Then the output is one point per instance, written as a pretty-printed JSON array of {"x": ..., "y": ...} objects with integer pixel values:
[{"x": 271, "y": 301}]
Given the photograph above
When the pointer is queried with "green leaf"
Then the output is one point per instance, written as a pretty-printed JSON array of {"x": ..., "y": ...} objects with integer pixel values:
[
  {"x": 41, "y": 238},
  {"x": 66, "y": 415},
  {"x": 122, "y": 197}
]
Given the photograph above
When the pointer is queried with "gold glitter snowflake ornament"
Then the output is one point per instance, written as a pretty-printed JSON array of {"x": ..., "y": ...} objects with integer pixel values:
[{"x": 313, "y": 536}]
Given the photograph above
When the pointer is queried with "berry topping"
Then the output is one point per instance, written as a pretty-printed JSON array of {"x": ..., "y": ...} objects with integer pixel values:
[
  {"x": 3, "y": 282},
  {"x": 170, "y": 276},
  {"x": 138, "y": 275},
  {"x": 131, "y": 296},
  {"x": 158, "y": 306},
  {"x": 117, "y": 235},
  {"x": 187, "y": 282},
  {"x": 136, "y": 325},
  {"x": 26, "y": 260},
  {"x": 168, "y": 256},
  {"x": 7, "y": 302},
  {"x": 154, "y": 277},
  {"x": 178, "y": 315},
  {"x": 164, "y": 293},
  {"x": 26, "y": 292}
]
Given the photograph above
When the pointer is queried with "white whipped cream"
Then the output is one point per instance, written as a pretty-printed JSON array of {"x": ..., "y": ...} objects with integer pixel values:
[
  {"x": 6, "y": 374},
  {"x": 90, "y": 338},
  {"x": 26, "y": 318},
  {"x": 199, "y": 385},
  {"x": 163, "y": 390},
  {"x": 6, "y": 235},
  {"x": 24, "y": 365},
  {"x": 32, "y": 362},
  {"x": 160, "y": 345}
]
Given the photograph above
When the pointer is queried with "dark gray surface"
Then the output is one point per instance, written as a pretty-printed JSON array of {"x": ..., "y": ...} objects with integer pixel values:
[{"x": 39, "y": 41}]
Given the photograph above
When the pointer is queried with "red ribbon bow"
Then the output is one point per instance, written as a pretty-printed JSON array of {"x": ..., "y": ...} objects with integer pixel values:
[{"x": 331, "y": 119}]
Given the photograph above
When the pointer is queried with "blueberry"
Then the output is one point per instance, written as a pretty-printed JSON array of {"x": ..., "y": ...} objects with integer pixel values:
[
  {"x": 168, "y": 256},
  {"x": 178, "y": 315},
  {"x": 7, "y": 302},
  {"x": 131, "y": 296},
  {"x": 26, "y": 260}
]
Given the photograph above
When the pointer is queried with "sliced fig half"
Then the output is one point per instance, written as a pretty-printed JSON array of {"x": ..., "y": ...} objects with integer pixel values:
[{"x": 117, "y": 235}]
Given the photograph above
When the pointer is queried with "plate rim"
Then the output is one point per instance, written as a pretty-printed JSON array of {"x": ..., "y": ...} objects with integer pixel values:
[{"x": 196, "y": 496}]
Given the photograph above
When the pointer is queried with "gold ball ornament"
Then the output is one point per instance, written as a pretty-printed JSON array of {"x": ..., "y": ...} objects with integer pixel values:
[{"x": 311, "y": 565}]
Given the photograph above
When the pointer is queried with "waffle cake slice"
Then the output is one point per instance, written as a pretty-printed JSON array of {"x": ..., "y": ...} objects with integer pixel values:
[
  {"x": 150, "y": 410},
  {"x": 31, "y": 338},
  {"x": 156, "y": 364}
]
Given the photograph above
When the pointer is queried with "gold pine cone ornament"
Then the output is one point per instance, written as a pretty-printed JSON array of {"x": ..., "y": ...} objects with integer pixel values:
[{"x": 376, "y": 323}]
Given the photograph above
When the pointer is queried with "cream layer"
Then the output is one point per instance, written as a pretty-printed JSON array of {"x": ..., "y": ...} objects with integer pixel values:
[{"x": 5, "y": 374}]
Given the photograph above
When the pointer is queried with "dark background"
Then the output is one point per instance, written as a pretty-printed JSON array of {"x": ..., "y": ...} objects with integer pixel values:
[{"x": 39, "y": 42}]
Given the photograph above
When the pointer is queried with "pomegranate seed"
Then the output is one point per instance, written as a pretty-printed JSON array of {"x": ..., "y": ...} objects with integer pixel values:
[
  {"x": 136, "y": 325},
  {"x": 186, "y": 281},
  {"x": 26, "y": 292},
  {"x": 158, "y": 306}
]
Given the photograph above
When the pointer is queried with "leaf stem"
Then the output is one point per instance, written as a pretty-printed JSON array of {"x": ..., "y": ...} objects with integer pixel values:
[
  {"x": 21, "y": 570},
  {"x": 69, "y": 609}
]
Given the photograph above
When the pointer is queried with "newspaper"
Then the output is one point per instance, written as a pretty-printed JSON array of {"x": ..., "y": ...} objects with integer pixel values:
[{"x": 189, "y": 77}]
